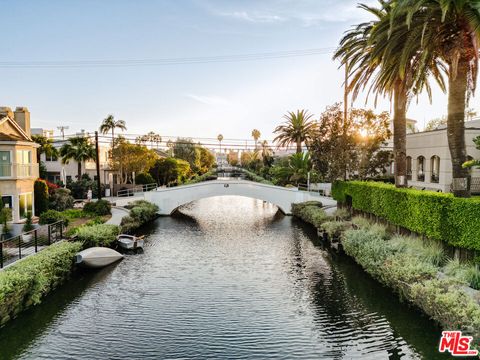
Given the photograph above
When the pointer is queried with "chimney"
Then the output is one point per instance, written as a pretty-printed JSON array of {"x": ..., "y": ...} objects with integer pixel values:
[
  {"x": 5, "y": 111},
  {"x": 22, "y": 117}
]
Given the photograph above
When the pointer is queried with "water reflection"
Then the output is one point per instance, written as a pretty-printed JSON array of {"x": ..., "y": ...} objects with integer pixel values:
[{"x": 226, "y": 277}]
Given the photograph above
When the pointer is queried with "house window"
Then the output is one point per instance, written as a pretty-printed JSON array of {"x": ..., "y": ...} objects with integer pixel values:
[
  {"x": 420, "y": 168},
  {"x": 5, "y": 163},
  {"x": 409, "y": 168},
  {"x": 24, "y": 161},
  {"x": 51, "y": 157},
  {"x": 7, "y": 201},
  {"x": 435, "y": 165},
  {"x": 25, "y": 204}
]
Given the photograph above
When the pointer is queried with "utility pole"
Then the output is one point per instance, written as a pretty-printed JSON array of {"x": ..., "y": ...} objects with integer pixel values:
[
  {"x": 62, "y": 130},
  {"x": 99, "y": 189},
  {"x": 345, "y": 119}
]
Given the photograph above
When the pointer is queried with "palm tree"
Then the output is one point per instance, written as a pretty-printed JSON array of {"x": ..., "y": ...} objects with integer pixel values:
[
  {"x": 267, "y": 153},
  {"x": 256, "y": 135},
  {"x": 170, "y": 145},
  {"x": 79, "y": 149},
  {"x": 220, "y": 138},
  {"x": 110, "y": 124},
  {"x": 298, "y": 128},
  {"x": 450, "y": 30},
  {"x": 46, "y": 147},
  {"x": 385, "y": 54},
  {"x": 297, "y": 170}
]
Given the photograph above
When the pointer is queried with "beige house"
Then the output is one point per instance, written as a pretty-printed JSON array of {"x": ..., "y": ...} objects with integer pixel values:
[
  {"x": 429, "y": 164},
  {"x": 18, "y": 164}
]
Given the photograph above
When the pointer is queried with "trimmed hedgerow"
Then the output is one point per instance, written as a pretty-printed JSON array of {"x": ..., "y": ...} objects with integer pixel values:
[
  {"x": 438, "y": 216},
  {"x": 26, "y": 282}
]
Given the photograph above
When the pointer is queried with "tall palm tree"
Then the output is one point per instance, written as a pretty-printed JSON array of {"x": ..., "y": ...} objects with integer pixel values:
[
  {"x": 298, "y": 128},
  {"x": 78, "y": 149},
  {"x": 267, "y": 153},
  {"x": 386, "y": 55},
  {"x": 220, "y": 138},
  {"x": 451, "y": 31},
  {"x": 256, "y": 135},
  {"x": 46, "y": 147},
  {"x": 110, "y": 124}
]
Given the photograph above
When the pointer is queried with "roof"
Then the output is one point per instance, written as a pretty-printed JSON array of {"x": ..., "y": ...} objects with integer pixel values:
[{"x": 11, "y": 131}]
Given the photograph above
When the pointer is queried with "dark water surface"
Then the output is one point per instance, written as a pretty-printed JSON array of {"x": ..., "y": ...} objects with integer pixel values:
[{"x": 228, "y": 278}]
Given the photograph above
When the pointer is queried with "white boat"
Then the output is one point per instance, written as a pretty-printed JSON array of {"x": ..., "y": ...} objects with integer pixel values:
[
  {"x": 97, "y": 257},
  {"x": 130, "y": 242}
]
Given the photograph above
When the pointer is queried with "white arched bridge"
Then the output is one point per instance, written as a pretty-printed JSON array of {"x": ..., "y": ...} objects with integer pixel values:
[{"x": 169, "y": 199}]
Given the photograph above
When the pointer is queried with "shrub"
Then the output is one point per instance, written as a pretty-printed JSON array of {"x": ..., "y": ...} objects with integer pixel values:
[
  {"x": 28, "y": 226},
  {"x": 144, "y": 178},
  {"x": 100, "y": 207},
  {"x": 61, "y": 200},
  {"x": 436, "y": 215},
  {"x": 335, "y": 228},
  {"x": 311, "y": 212},
  {"x": 360, "y": 222},
  {"x": 72, "y": 214},
  {"x": 141, "y": 212},
  {"x": 52, "y": 216},
  {"x": 97, "y": 235},
  {"x": 468, "y": 274},
  {"x": 40, "y": 195},
  {"x": 342, "y": 214},
  {"x": 25, "y": 283},
  {"x": 128, "y": 225}
]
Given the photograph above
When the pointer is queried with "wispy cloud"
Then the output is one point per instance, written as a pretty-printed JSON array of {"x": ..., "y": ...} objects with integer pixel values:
[
  {"x": 208, "y": 99},
  {"x": 253, "y": 16},
  {"x": 306, "y": 12}
]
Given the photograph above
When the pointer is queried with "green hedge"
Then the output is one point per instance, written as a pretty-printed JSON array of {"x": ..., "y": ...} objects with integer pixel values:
[
  {"x": 26, "y": 282},
  {"x": 436, "y": 215},
  {"x": 97, "y": 235}
]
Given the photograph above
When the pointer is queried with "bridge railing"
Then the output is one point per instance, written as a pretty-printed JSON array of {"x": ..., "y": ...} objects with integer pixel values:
[
  {"x": 322, "y": 189},
  {"x": 136, "y": 189}
]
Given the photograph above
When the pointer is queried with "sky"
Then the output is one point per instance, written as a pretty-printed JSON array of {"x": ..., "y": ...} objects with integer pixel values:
[{"x": 188, "y": 100}]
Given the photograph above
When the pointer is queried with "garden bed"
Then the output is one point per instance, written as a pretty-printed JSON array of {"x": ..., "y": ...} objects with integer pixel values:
[{"x": 417, "y": 270}]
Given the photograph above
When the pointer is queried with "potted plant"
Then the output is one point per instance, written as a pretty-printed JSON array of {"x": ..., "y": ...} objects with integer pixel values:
[{"x": 28, "y": 226}]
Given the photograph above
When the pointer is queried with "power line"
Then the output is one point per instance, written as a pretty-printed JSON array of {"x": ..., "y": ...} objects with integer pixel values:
[{"x": 165, "y": 61}]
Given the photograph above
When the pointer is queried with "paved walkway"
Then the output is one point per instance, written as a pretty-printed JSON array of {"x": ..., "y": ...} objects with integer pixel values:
[{"x": 117, "y": 214}]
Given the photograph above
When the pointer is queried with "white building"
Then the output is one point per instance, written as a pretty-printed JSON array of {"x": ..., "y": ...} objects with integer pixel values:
[
  {"x": 54, "y": 165},
  {"x": 429, "y": 164}
]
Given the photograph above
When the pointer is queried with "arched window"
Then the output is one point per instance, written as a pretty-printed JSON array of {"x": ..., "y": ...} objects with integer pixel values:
[
  {"x": 409, "y": 168},
  {"x": 435, "y": 166},
  {"x": 420, "y": 168}
]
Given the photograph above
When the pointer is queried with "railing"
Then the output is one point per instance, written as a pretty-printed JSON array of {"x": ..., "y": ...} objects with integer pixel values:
[
  {"x": 320, "y": 189},
  {"x": 137, "y": 189},
  {"x": 15, "y": 171},
  {"x": 31, "y": 242}
]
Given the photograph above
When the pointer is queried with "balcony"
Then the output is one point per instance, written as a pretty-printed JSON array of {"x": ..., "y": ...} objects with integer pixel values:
[{"x": 18, "y": 171}]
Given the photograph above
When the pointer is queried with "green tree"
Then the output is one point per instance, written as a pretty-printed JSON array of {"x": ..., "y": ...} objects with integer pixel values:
[
  {"x": 298, "y": 128},
  {"x": 450, "y": 31},
  {"x": 365, "y": 134},
  {"x": 79, "y": 149},
  {"x": 387, "y": 55},
  {"x": 127, "y": 158},
  {"x": 109, "y": 124},
  {"x": 207, "y": 160},
  {"x": 294, "y": 171},
  {"x": 41, "y": 196},
  {"x": 46, "y": 147},
  {"x": 170, "y": 170},
  {"x": 187, "y": 150}
]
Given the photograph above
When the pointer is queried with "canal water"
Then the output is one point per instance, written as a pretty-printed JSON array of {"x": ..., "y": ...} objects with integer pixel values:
[{"x": 226, "y": 278}]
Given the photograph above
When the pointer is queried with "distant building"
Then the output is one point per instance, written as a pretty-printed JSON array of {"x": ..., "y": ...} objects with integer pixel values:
[
  {"x": 429, "y": 163},
  {"x": 18, "y": 161},
  {"x": 54, "y": 166}
]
